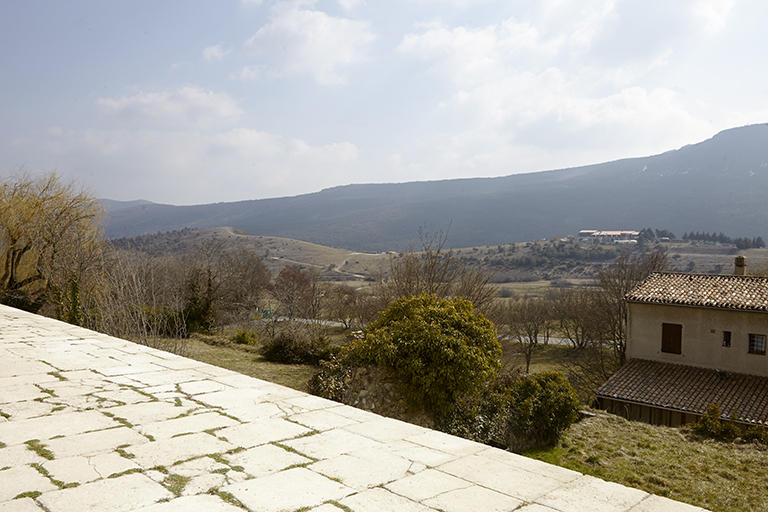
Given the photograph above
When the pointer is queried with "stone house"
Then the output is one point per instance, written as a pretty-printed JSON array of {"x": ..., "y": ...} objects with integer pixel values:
[{"x": 693, "y": 340}]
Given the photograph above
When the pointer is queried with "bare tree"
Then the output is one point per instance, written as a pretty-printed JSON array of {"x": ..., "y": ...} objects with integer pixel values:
[
  {"x": 527, "y": 321},
  {"x": 297, "y": 291},
  {"x": 616, "y": 281},
  {"x": 341, "y": 304},
  {"x": 579, "y": 315},
  {"x": 435, "y": 271}
]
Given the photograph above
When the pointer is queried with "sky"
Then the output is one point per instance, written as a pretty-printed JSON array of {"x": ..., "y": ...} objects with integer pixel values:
[{"x": 194, "y": 102}]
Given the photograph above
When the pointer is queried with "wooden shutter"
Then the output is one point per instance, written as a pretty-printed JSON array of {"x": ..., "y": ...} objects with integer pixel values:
[{"x": 672, "y": 338}]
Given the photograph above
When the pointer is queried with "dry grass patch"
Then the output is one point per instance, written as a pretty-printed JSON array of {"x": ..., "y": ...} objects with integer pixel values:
[
  {"x": 665, "y": 461},
  {"x": 220, "y": 351}
]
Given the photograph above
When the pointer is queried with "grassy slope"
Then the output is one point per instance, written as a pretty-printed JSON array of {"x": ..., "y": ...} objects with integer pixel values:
[
  {"x": 244, "y": 359},
  {"x": 666, "y": 462}
]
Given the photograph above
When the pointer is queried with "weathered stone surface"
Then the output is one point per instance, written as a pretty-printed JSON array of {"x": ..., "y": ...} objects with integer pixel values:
[
  {"x": 356, "y": 459},
  {"x": 22, "y": 479},
  {"x": 91, "y": 443},
  {"x": 187, "y": 424},
  {"x": 265, "y": 460},
  {"x": 192, "y": 504},
  {"x": 377, "y": 500},
  {"x": 46, "y": 427},
  {"x": 427, "y": 484},
  {"x": 364, "y": 472},
  {"x": 474, "y": 498},
  {"x": 20, "y": 505},
  {"x": 167, "y": 451},
  {"x": 288, "y": 490},
  {"x": 592, "y": 494},
  {"x": 126, "y": 493},
  {"x": 331, "y": 444},
  {"x": 261, "y": 432}
]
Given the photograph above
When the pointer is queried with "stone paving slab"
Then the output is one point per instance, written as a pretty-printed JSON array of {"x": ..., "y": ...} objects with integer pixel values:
[{"x": 123, "y": 427}]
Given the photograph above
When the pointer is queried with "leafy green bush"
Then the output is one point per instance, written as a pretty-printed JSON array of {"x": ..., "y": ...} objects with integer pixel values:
[
  {"x": 756, "y": 434},
  {"x": 295, "y": 347},
  {"x": 516, "y": 413},
  {"x": 245, "y": 337},
  {"x": 712, "y": 425},
  {"x": 440, "y": 349},
  {"x": 544, "y": 405}
]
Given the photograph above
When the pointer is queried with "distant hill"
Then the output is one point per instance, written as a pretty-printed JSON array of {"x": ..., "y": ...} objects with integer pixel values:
[
  {"x": 110, "y": 205},
  {"x": 716, "y": 185}
]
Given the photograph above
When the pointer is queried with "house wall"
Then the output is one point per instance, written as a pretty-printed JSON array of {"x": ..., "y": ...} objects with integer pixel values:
[{"x": 702, "y": 336}]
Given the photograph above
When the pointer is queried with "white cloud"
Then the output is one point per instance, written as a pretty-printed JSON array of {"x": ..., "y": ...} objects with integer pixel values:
[
  {"x": 185, "y": 107},
  {"x": 299, "y": 41},
  {"x": 714, "y": 13},
  {"x": 185, "y": 167},
  {"x": 216, "y": 52},
  {"x": 538, "y": 94},
  {"x": 348, "y": 5}
]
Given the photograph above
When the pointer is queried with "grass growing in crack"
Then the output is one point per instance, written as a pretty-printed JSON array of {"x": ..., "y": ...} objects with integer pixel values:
[
  {"x": 292, "y": 450},
  {"x": 58, "y": 408},
  {"x": 39, "y": 448},
  {"x": 303, "y": 465},
  {"x": 5, "y": 415},
  {"x": 177, "y": 402},
  {"x": 339, "y": 505},
  {"x": 120, "y": 451},
  {"x": 176, "y": 483},
  {"x": 126, "y": 472},
  {"x": 227, "y": 415},
  {"x": 124, "y": 422},
  {"x": 58, "y": 483},
  {"x": 28, "y": 494},
  {"x": 227, "y": 497},
  {"x": 2, "y": 444},
  {"x": 141, "y": 392},
  {"x": 46, "y": 390},
  {"x": 58, "y": 376},
  {"x": 218, "y": 458}
]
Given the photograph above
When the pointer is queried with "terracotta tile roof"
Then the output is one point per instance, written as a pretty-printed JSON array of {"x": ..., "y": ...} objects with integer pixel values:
[
  {"x": 704, "y": 290},
  {"x": 689, "y": 389}
]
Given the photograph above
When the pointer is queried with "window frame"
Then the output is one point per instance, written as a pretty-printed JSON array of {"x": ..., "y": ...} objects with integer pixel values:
[
  {"x": 757, "y": 343},
  {"x": 727, "y": 339}
]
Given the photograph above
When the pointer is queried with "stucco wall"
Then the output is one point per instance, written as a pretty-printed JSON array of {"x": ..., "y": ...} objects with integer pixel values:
[{"x": 702, "y": 336}]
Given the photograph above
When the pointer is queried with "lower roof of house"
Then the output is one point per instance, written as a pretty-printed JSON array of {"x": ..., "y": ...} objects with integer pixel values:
[{"x": 689, "y": 389}]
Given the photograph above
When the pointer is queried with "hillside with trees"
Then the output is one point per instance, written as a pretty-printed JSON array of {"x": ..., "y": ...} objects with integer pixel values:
[{"x": 716, "y": 185}]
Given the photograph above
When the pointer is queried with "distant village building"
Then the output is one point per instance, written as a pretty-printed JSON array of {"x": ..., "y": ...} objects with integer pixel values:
[
  {"x": 586, "y": 235},
  {"x": 694, "y": 340}
]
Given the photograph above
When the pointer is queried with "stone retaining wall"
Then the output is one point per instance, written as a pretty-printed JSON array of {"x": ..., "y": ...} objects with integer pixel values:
[{"x": 378, "y": 389}]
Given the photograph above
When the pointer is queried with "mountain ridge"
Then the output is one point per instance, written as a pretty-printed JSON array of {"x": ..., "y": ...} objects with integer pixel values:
[{"x": 717, "y": 184}]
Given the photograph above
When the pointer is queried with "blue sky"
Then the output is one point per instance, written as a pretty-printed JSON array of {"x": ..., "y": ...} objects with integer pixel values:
[{"x": 189, "y": 102}]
